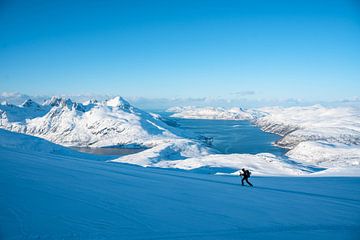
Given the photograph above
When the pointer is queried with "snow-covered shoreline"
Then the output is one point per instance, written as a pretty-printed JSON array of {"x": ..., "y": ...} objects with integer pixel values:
[
  {"x": 214, "y": 113},
  {"x": 323, "y": 136},
  {"x": 114, "y": 122},
  {"x": 317, "y": 137}
]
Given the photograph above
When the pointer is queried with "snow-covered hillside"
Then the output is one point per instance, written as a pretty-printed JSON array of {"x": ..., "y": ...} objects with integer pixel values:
[
  {"x": 264, "y": 164},
  {"x": 97, "y": 124},
  {"x": 210, "y": 113},
  {"x": 47, "y": 195},
  {"x": 326, "y": 137},
  {"x": 299, "y": 124},
  {"x": 321, "y": 136},
  {"x": 318, "y": 138},
  {"x": 110, "y": 123}
]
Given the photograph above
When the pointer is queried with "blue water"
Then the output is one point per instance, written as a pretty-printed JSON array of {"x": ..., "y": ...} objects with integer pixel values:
[{"x": 230, "y": 136}]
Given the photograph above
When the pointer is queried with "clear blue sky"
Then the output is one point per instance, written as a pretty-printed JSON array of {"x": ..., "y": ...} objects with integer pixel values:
[{"x": 276, "y": 49}]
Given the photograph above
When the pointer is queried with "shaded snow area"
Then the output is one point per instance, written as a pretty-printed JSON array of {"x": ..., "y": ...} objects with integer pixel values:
[
  {"x": 50, "y": 194},
  {"x": 319, "y": 136}
]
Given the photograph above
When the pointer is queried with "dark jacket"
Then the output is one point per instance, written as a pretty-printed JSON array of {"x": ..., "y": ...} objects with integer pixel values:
[{"x": 245, "y": 174}]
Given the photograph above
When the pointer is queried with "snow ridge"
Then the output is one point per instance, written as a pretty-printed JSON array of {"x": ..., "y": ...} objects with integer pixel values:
[{"x": 210, "y": 113}]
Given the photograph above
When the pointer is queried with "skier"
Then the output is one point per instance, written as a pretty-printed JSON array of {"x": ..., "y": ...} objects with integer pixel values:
[{"x": 245, "y": 176}]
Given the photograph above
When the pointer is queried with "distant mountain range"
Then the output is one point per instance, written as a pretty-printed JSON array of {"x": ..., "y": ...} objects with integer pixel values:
[{"x": 317, "y": 137}]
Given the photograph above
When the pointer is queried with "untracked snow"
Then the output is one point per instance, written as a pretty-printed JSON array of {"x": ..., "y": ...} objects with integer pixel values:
[{"x": 217, "y": 113}]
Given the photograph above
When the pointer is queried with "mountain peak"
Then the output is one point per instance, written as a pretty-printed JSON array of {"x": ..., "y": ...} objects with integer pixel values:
[
  {"x": 53, "y": 101},
  {"x": 118, "y": 102},
  {"x": 58, "y": 101},
  {"x": 63, "y": 102},
  {"x": 90, "y": 101},
  {"x": 30, "y": 103}
]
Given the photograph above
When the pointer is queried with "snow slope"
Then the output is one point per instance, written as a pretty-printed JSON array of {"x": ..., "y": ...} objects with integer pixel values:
[
  {"x": 326, "y": 137},
  {"x": 114, "y": 122},
  {"x": 264, "y": 164},
  {"x": 96, "y": 124},
  {"x": 298, "y": 124},
  {"x": 318, "y": 138},
  {"x": 210, "y": 113},
  {"x": 51, "y": 196},
  {"x": 316, "y": 135}
]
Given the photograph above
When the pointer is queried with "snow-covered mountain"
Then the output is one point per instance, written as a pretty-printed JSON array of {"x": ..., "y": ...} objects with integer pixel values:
[
  {"x": 322, "y": 136},
  {"x": 298, "y": 124},
  {"x": 217, "y": 113},
  {"x": 110, "y": 123},
  {"x": 315, "y": 136},
  {"x": 97, "y": 124},
  {"x": 318, "y": 135}
]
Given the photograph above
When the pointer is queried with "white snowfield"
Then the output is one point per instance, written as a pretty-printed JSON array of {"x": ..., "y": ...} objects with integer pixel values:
[
  {"x": 263, "y": 164},
  {"x": 98, "y": 124},
  {"x": 46, "y": 193},
  {"x": 217, "y": 113},
  {"x": 318, "y": 138},
  {"x": 110, "y": 123},
  {"x": 326, "y": 137},
  {"x": 260, "y": 164},
  {"x": 315, "y": 135}
]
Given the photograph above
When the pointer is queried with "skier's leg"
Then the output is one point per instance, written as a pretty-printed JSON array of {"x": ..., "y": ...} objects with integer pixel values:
[
  {"x": 242, "y": 181},
  {"x": 248, "y": 182}
]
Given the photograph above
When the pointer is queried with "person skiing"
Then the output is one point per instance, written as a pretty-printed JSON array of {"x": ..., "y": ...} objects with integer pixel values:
[{"x": 245, "y": 176}]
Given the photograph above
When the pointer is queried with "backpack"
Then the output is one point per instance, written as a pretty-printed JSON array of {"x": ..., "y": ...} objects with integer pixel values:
[{"x": 248, "y": 173}]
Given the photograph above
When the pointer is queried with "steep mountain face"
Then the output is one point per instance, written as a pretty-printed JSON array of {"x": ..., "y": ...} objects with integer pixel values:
[{"x": 110, "y": 123}]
